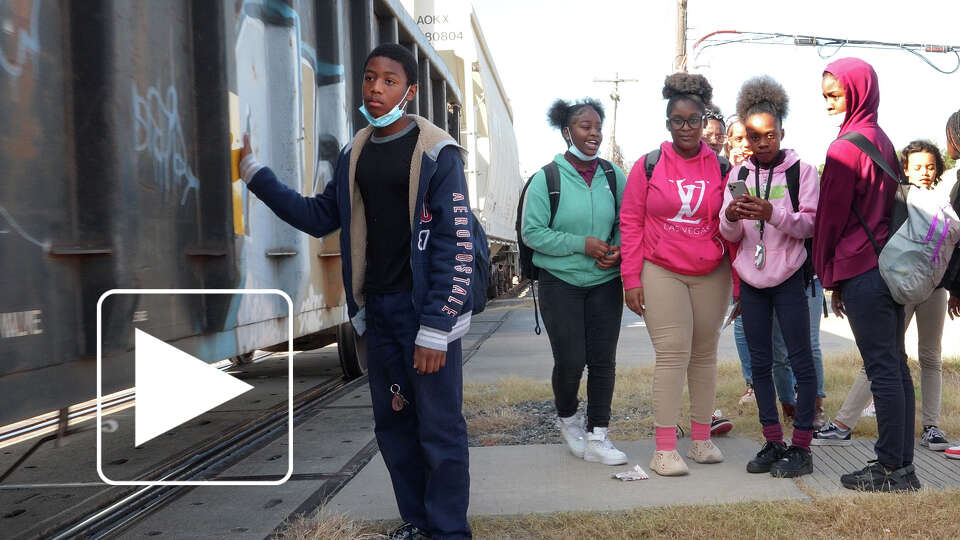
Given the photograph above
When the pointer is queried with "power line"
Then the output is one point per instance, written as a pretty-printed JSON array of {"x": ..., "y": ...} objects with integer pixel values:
[{"x": 823, "y": 43}]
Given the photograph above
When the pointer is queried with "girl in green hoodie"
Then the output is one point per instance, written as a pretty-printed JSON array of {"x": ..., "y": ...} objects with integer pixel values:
[{"x": 578, "y": 252}]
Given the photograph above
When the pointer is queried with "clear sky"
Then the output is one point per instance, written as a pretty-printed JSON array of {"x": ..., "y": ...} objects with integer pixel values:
[{"x": 549, "y": 49}]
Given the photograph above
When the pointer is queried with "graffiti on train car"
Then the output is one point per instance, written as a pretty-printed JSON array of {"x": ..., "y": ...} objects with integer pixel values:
[
  {"x": 8, "y": 225},
  {"x": 26, "y": 45},
  {"x": 158, "y": 132}
]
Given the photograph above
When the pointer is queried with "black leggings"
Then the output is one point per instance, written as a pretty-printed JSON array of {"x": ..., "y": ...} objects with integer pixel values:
[{"x": 583, "y": 324}]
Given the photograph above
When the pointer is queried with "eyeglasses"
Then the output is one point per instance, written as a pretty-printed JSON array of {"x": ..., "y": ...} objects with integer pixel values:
[{"x": 694, "y": 122}]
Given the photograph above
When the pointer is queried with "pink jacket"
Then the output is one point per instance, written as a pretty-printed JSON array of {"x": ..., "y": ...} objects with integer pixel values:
[
  {"x": 784, "y": 234},
  {"x": 671, "y": 219}
]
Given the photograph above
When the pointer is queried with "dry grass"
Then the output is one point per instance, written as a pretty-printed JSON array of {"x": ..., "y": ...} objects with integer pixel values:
[
  {"x": 920, "y": 515},
  {"x": 490, "y": 413},
  {"x": 926, "y": 514},
  {"x": 326, "y": 525}
]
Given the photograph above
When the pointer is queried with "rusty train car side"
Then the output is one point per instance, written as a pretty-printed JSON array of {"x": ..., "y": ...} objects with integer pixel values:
[{"x": 118, "y": 120}]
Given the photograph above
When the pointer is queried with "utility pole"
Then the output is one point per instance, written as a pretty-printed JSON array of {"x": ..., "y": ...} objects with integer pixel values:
[
  {"x": 680, "y": 62},
  {"x": 615, "y": 96}
]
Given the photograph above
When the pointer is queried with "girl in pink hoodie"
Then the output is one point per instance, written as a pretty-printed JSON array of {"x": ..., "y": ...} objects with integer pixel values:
[
  {"x": 675, "y": 269},
  {"x": 771, "y": 224}
]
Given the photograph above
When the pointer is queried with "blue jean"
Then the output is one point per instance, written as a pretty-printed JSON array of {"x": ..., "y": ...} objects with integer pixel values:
[
  {"x": 424, "y": 445},
  {"x": 787, "y": 302},
  {"x": 877, "y": 322},
  {"x": 782, "y": 374}
]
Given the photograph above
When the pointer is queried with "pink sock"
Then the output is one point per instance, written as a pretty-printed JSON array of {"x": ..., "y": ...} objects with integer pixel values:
[
  {"x": 666, "y": 438},
  {"x": 773, "y": 433},
  {"x": 699, "y": 432},
  {"x": 802, "y": 438}
]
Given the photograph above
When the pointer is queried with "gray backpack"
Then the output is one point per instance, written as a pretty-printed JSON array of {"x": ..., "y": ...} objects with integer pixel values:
[{"x": 915, "y": 257}]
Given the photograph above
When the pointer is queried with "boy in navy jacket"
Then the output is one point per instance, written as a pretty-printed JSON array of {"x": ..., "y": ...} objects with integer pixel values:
[{"x": 399, "y": 198}]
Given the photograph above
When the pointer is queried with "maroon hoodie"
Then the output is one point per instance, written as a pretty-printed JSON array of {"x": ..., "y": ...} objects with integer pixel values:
[{"x": 841, "y": 248}]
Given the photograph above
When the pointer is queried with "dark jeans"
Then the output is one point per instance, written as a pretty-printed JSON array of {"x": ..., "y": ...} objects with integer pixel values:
[
  {"x": 424, "y": 445},
  {"x": 878, "y": 326},
  {"x": 583, "y": 324},
  {"x": 789, "y": 302}
]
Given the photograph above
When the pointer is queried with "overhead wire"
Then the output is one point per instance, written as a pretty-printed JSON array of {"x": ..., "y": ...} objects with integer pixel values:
[{"x": 822, "y": 43}]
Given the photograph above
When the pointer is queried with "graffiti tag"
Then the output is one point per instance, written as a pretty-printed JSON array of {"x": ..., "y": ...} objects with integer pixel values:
[
  {"x": 27, "y": 44},
  {"x": 157, "y": 132},
  {"x": 8, "y": 224}
]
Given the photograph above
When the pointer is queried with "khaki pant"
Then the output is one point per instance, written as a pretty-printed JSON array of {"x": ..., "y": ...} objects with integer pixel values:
[
  {"x": 684, "y": 315},
  {"x": 930, "y": 318}
]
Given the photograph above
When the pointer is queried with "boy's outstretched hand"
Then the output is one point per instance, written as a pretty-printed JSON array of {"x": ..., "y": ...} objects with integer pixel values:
[{"x": 427, "y": 361}]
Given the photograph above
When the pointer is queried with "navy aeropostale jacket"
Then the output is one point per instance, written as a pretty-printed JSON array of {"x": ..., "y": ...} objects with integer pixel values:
[{"x": 441, "y": 249}]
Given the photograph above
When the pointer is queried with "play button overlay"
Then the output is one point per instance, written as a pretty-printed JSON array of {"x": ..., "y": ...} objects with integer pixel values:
[
  {"x": 169, "y": 396},
  {"x": 163, "y": 371}
]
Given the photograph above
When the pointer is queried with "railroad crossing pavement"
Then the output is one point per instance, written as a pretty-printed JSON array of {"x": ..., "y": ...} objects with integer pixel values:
[{"x": 546, "y": 478}]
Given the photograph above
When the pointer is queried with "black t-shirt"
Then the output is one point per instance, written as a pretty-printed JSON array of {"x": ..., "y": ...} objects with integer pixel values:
[{"x": 383, "y": 176}]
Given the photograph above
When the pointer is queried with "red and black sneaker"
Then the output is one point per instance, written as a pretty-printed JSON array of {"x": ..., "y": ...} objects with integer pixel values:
[{"x": 720, "y": 425}]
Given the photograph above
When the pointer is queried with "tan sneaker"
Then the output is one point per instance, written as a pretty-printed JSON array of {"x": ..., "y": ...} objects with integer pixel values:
[
  {"x": 705, "y": 452},
  {"x": 668, "y": 463}
]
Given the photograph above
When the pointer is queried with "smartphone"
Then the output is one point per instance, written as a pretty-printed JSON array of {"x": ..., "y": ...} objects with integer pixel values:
[{"x": 737, "y": 188}]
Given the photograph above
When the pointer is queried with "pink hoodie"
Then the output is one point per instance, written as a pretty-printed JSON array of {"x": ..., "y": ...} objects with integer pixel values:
[
  {"x": 671, "y": 219},
  {"x": 784, "y": 234}
]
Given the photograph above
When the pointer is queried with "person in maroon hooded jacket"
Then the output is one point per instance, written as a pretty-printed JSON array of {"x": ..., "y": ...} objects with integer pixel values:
[{"x": 846, "y": 261}]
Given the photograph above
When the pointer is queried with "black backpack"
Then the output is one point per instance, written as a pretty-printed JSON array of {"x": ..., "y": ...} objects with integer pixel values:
[
  {"x": 481, "y": 267},
  {"x": 793, "y": 188},
  {"x": 551, "y": 170},
  {"x": 651, "y": 158}
]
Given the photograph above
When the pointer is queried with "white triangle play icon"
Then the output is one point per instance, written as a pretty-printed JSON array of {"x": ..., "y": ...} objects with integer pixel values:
[{"x": 174, "y": 387}]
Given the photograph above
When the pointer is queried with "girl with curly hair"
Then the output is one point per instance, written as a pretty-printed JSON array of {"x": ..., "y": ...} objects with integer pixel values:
[
  {"x": 676, "y": 269},
  {"x": 578, "y": 254},
  {"x": 951, "y": 280},
  {"x": 771, "y": 227}
]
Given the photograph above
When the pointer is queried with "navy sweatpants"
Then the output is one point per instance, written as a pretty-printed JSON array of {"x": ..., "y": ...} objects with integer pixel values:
[
  {"x": 789, "y": 302},
  {"x": 424, "y": 445},
  {"x": 877, "y": 322}
]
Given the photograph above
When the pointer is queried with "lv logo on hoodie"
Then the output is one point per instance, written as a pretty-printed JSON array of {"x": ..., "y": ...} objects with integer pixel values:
[{"x": 687, "y": 192}]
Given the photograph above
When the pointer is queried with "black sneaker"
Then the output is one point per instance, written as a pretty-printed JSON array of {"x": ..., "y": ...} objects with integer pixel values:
[
  {"x": 934, "y": 438},
  {"x": 910, "y": 475},
  {"x": 771, "y": 452},
  {"x": 407, "y": 531},
  {"x": 795, "y": 462},
  {"x": 831, "y": 435},
  {"x": 876, "y": 477}
]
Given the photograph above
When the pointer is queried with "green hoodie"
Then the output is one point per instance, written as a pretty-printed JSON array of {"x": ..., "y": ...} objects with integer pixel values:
[{"x": 583, "y": 211}]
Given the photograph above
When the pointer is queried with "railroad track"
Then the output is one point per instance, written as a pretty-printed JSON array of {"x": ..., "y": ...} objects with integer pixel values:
[
  {"x": 81, "y": 412},
  {"x": 125, "y": 506}
]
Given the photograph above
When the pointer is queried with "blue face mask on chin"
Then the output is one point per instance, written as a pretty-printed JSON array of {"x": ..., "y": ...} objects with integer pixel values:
[
  {"x": 577, "y": 153},
  {"x": 383, "y": 121}
]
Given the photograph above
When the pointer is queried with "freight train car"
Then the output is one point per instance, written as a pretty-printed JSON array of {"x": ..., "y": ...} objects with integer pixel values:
[
  {"x": 118, "y": 123},
  {"x": 493, "y": 159}
]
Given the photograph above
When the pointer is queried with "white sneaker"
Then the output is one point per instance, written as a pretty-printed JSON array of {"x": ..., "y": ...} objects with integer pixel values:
[
  {"x": 600, "y": 449},
  {"x": 571, "y": 429}
]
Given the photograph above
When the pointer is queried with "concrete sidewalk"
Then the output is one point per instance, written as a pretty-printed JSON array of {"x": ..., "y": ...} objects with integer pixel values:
[{"x": 507, "y": 480}]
